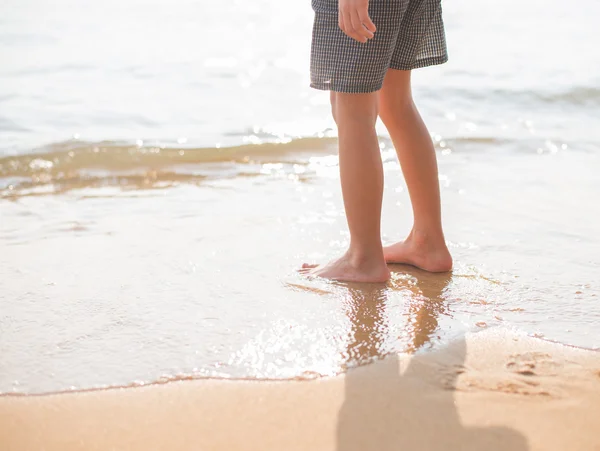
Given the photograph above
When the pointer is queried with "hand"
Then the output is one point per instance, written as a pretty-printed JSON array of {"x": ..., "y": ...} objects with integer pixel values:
[{"x": 354, "y": 20}]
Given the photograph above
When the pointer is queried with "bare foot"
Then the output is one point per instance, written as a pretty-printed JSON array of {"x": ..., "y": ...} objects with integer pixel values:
[
  {"x": 421, "y": 251},
  {"x": 347, "y": 269}
]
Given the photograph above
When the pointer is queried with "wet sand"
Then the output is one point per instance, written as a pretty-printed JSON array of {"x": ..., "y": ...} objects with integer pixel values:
[
  {"x": 112, "y": 285},
  {"x": 488, "y": 391}
]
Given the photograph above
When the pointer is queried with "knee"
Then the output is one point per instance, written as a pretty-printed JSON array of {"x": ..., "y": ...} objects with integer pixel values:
[
  {"x": 394, "y": 106},
  {"x": 354, "y": 108}
]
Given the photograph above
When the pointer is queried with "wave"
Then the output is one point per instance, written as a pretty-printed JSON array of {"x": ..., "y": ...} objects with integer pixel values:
[
  {"x": 74, "y": 164},
  {"x": 576, "y": 96},
  {"x": 579, "y": 96},
  {"x": 74, "y": 155}
]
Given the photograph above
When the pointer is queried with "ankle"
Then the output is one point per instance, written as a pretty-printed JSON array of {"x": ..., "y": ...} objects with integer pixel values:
[
  {"x": 427, "y": 237},
  {"x": 360, "y": 256}
]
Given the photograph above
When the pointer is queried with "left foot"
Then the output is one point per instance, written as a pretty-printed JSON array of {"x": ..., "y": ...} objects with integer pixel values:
[
  {"x": 348, "y": 269},
  {"x": 421, "y": 251}
]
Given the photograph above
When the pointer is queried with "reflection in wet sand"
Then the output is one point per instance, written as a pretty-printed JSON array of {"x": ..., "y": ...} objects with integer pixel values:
[
  {"x": 366, "y": 304},
  {"x": 385, "y": 409},
  {"x": 428, "y": 302}
]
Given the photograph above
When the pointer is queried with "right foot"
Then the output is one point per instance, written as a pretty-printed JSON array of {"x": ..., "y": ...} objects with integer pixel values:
[
  {"x": 421, "y": 251},
  {"x": 346, "y": 269}
]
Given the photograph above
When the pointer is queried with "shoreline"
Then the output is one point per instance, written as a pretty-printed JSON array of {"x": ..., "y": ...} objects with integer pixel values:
[
  {"x": 491, "y": 390},
  {"x": 264, "y": 380}
]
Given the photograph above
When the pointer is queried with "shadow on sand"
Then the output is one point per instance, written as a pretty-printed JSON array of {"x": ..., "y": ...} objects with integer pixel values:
[{"x": 387, "y": 407}]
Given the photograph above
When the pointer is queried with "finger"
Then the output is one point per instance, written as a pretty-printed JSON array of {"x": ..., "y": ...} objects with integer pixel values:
[
  {"x": 341, "y": 21},
  {"x": 309, "y": 265},
  {"x": 349, "y": 28},
  {"x": 358, "y": 27},
  {"x": 363, "y": 15}
]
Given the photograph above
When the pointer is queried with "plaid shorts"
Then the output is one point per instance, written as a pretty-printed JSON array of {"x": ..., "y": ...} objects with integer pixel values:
[{"x": 410, "y": 34}]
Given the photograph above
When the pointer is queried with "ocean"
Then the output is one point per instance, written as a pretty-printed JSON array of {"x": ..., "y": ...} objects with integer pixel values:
[{"x": 165, "y": 169}]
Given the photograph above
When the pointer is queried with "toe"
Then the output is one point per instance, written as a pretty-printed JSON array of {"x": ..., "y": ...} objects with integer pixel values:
[{"x": 307, "y": 268}]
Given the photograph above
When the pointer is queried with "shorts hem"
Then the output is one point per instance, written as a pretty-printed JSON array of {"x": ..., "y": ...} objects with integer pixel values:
[
  {"x": 426, "y": 62},
  {"x": 347, "y": 89}
]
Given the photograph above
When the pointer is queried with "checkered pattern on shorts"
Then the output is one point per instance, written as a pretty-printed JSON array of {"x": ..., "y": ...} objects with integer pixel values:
[{"x": 410, "y": 34}]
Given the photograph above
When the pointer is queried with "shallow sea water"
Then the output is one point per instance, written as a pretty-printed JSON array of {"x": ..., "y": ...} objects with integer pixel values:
[{"x": 160, "y": 187}]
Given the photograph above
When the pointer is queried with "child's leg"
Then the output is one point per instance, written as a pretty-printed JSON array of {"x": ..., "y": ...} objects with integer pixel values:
[
  {"x": 361, "y": 174},
  {"x": 425, "y": 246}
]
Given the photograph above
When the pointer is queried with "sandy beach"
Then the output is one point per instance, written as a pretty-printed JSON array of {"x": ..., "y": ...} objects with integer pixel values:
[
  {"x": 166, "y": 169},
  {"x": 491, "y": 391}
]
